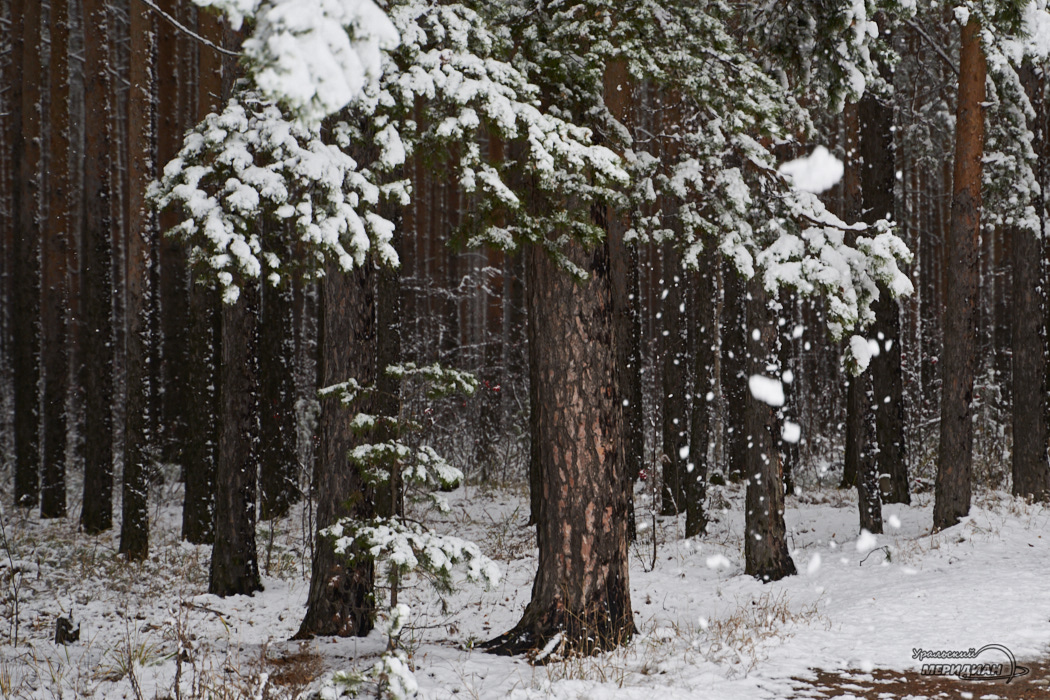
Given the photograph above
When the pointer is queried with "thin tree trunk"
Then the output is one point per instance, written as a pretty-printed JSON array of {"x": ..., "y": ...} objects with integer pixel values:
[
  {"x": 234, "y": 563},
  {"x": 766, "y": 554},
  {"x": 134, "y": 532},
  {"x": 56, "y": 298},
  {"x": 29, "y": 169},
  {"x": 278, "y": 473},
  {"x": 200, "y": 451},
  {"x": 734, "y": 371},
  {"x": 173, "y": 288},
  {"x": 340, "y": 601},
  {"x": 627, "y": 328},
  {"x": 955, "y": 458},
  {"x": 674, "y": 416},
  {"x": 705, "y": 347},
  {"x": 581, "y": 591},
  {"x": 97, "y": 259},
  {"x": 1031, "y": 470}
]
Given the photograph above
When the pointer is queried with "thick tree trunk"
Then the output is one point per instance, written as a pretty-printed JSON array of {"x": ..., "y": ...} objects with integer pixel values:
[
  {"x": 134, "y": 532},
  {"x": 28, "y": 158},
  {"x": 97, "y": 261},
  {"x": 955, "y": 457},
  {"x": 234, "y": 564},
  {"x": 56, "y": 300},
  {"x": 581, "y": 594},
  {"x": 766, "y": 554},
  {"x": 341, "y": 599},
  {"x": 878, "y": 178}
]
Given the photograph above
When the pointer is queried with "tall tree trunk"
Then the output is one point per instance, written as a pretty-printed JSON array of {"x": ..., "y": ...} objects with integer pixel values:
[
  {"x": 878, "y": 179},
  {"x": 734, "y": 371},
  {"x": 28, "y": 158},
  {"x": 200, "y": 451},
  {"x": 955, "y": 457},
  {"x": 704, "y": 332},
  {"x": 234, "y": 563},
  {"x": 581, "y": 590},
  {"x": 1031, "y": 470},
  {"x": 56, "y": 298},
  {"x": 278, "y": 466},
  {"x": 627, "y": 324},
  {"x": 341, "y": 599},
  {"x": 674, "y": 416},
  {"x": 97, "y": 260},
  {"x": 766, "y": 555},
  {"x": 869, "y": 498},
  {"x": 856, "y": 450},
  {"x": 173, "y": 288},
  {"x": 134, "y": 532}
]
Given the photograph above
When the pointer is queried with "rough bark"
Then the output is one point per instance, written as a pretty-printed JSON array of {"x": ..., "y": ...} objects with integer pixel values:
[
  {"x": 955, "y": 457},
  {"x": 734, "y": 372},
  {"x": 173, "y": 287},
  {"x": 200, "y": 451},
  {"x": 856, "y": 395},
  {"x": 97, "y": 261},
  {"x": 581, "y": 590},
  {"x": 869, "y": 497},
  {"x": 877, "y": 185},
  {"x": 56, "y": 297},
  {"x": 134, "y": 531},
  {"x": 234, "y": 561},
  {"x": 341, "y": 599},
  {"x": 674, "y": 416},
  {"x": 705, "y": 347},
  {"x": 766, "y": 555},
  {"x": 1031, "y": 470},
  {"x": 278, "y": 466},
  {"x": 28, "y": 158}
]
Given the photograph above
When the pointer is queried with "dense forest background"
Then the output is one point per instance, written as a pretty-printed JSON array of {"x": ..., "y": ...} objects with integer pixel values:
[{"x": 118, "y": 354}]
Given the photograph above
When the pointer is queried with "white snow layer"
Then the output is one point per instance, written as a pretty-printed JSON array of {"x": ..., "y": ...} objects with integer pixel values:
[
  {"x": 818, "y": 171},
  {"x": 766, "y": 389}
]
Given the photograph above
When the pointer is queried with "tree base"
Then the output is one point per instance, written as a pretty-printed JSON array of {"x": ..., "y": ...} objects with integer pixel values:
[{"x": 558, "y": 635}]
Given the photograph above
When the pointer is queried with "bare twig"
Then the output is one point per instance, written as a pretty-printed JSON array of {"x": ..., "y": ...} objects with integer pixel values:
[
  {"x": 181, "y": 27},
  {"x": 936, "y": 47}
]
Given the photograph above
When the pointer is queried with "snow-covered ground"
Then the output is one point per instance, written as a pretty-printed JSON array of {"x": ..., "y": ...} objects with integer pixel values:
[{"x": 705, "y": 629}]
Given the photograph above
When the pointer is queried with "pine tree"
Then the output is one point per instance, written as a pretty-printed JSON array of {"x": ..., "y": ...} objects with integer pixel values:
[
  {"x": 28, "y": 157},
  {"x": 56, "y": 299},
  {"x": 97, "y": 262},
  {"x": 955, "y": 456},
  {"x": 134, "y": 532}
]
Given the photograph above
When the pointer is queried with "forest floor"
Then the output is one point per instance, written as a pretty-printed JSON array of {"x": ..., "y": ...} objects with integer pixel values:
[{"x": 846, "y": 626}]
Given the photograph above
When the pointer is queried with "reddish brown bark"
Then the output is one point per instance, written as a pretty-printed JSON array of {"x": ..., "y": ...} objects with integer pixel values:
[
  {"x": 134, "y": 533},
  {"x": 955, "y": 458},
  {"x": 581, "y": 590},
  {"x": 340, "y": 601}
]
